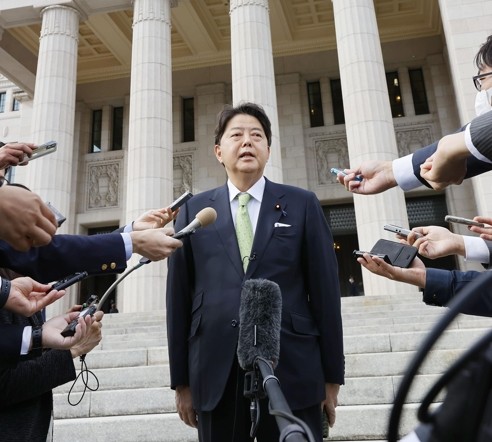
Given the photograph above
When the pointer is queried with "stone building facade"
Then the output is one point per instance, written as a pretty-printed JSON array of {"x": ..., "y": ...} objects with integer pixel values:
[{"x": 130, "y": 90}]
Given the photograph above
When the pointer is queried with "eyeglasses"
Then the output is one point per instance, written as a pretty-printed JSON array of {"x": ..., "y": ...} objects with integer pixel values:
[{"x": 477, "y": 80}]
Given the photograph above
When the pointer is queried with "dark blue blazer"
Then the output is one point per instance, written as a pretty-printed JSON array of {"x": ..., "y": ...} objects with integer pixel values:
[
  {"x": 443, "y": 285},
  {"x": 204, "y": 287},
  {"x": 67, "y": 254}
]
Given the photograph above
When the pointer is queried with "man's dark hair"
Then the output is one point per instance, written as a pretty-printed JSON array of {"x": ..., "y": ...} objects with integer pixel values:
[
  {"x": 252, "y": 109},
  {"x": 484, "y": 55}
]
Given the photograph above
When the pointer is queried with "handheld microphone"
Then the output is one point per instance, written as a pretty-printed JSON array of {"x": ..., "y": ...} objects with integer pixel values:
[
  {"x": 260, "y": 314},
  {"x": 203, "y": 218}
]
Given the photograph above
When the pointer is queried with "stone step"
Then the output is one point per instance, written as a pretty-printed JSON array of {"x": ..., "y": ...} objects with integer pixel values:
[
  {"x": 153, "y": 400},
  {"x": 364, "y": 365},
  {"x": 392, "y": 326},
  {"x": 353, "y": 423},
  {"x": 150, "y": 351}
]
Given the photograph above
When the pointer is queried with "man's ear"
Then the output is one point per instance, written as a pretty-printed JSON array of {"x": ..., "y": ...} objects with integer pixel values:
[{"x": 218, "y": 153}]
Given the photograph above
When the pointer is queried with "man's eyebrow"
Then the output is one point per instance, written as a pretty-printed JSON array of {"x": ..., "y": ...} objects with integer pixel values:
[{"x": 243, "y": 128}]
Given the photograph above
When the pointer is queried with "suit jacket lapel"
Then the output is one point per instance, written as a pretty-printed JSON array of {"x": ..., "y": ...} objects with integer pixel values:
[{"x": 272, "y": 209}]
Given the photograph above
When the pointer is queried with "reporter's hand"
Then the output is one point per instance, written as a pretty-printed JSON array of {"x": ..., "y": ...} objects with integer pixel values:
[
  {"x": 154, "y": 219},
  {"x": 155, "y": 244},
  {"x": 414, "y": 275},
  {"x": 26, "y": 221},
  {"x": 91, "y": 339},
  {"x": 28, "y": 296},
  {"x": 184, "y": 405},
  {"x": 377, "y": 177},
  {"x": 331, "y": 401},
  {"x": 437, "y": 242},
  {"x": 485, "y": 232},
  {"x": 13, "y": 154},
  {"x": 447, "y": 165},
  {"x": 52, "y": 338}
]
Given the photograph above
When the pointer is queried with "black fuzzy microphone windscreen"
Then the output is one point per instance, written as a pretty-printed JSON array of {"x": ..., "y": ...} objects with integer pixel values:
[{"x": 260, "y": 316}]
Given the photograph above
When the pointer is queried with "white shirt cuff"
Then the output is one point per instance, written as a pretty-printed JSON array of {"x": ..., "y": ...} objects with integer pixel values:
[
  {"x": 127, "y": 240},
  {"x": 473, "y": 150},
  {"x": 476, "y": 249},
  {"x": 403, "y": 173},
  {"x": 26, "y": 340}
]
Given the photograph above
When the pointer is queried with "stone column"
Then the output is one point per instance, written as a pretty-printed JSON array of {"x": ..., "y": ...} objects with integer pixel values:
[
  {"x": 53, "y": 117},
  {"x": 369, "y": 125},
  {"x": 253, "y": 78},
  {"x": 466, "y": 27},
  {"x": 150, "y": 143}
]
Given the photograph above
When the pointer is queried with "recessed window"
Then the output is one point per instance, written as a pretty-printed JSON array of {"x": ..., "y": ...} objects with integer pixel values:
[
  {"x": 337, "y": 101},
  {"x": 188, "y": 119},
  {"x": 419, "y": 94},
  {"x": 96, "y": 131},
  {"x": 117, "y": 129},
  {"x": 15, "y": 105},
  {"x": 315, "y": 104},
  {"x": 3, "y": 100},
  {"x": 394, "y": 92}
]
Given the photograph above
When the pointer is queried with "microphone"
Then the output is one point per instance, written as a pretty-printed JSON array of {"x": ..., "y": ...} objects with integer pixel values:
[
  {"x": 203, "y": 218},
  {"x": 260, "y": 314},
  {"x": 258, "y": 350}
]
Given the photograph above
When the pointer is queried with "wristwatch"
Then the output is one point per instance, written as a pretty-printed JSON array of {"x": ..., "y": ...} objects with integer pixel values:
[{"x": 37, "y": 340}]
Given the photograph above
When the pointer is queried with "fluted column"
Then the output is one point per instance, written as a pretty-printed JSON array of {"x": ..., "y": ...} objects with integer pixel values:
[
  {"x": 53, "y": 117},
  {"x": 253, "y": 78},
  {"x": 150, "y": 143},
  {"x": 369, "y": 125}
]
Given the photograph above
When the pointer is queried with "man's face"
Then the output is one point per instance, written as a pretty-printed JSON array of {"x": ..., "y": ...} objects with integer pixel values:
[{"x": 243, "y": 148}]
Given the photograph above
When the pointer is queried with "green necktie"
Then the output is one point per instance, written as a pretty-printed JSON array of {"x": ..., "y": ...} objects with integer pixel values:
[{"x": 244, "y": 230}]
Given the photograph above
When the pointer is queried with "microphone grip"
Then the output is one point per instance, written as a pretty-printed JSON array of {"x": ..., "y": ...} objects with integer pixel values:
[
  {"x": 183, "y": 233},
  {"x": 177, "y": 235},
  {"x": 271, "y": 385}
]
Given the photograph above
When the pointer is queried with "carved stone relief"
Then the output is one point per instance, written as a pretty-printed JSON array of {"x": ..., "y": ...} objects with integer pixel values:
[
  {"x": 412, "y": 138},
  {"x": 182, "y": 174},
  {"x": 104, "y": 185},
  {"x": 330, "y": 153}
]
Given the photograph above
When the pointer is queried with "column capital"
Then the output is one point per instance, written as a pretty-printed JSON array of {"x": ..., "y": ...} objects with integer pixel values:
[
  {"x": 238, "y": 3},
  {"x": 57, "y": 25}
]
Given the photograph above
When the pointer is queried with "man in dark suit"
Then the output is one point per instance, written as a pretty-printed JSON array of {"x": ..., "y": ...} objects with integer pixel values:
[{"x": 293, "y": 247}]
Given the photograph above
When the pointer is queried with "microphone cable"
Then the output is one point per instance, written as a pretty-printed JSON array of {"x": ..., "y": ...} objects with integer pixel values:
[{"x": 84, "y": 376}]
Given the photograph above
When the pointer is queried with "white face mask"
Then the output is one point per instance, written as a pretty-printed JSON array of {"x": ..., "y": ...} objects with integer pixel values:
[{"x": 483, "y": 102}]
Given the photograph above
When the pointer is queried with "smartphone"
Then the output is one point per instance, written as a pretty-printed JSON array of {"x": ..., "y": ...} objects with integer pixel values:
[
  {"x": 180, "y": 201},
  {"x": 336, "y": 171},
  {"x": 60, "y": 219},
  {"x": 460, "y": 220},
  {"x": 360, "y": 254},
  {"x": 399, "y": 255},
  {"x": 399, "y": 230},
  {"x": 42, "y": 150}
]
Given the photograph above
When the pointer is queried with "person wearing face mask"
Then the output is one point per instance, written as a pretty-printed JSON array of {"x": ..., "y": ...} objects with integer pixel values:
[{"x": 405, "y": 172}]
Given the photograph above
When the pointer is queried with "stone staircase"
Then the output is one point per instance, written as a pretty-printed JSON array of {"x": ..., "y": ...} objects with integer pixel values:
[{"x": 135, "y": 404}]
